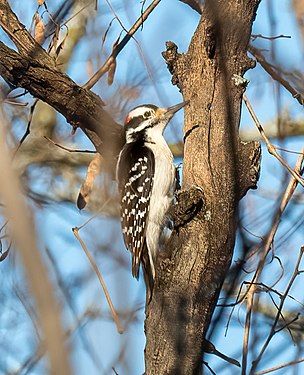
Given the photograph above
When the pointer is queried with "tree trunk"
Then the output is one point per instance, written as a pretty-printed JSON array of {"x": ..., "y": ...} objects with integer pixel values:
[{"x": 192, "y": 270}]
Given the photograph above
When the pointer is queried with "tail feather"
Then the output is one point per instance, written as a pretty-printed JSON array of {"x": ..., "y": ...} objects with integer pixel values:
[
  {"x": 135, "y": 267},
  {"x": 149, "y": 273}
]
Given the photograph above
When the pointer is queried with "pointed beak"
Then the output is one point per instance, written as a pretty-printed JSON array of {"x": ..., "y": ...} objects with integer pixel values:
[
  {"x": 172, "y": 110},
  {"x": 169, "y": 112}
]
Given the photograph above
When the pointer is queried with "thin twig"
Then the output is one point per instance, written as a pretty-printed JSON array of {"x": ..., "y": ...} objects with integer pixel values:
[
  {"x": 95, "y": 215},
  {"x": 116, "y": 16},
  {"x": 260, "y": 287},
  {"x": 286, "y": 150},
  {"x": 247, "y": 329},
  {"x": 255, "y": 36},
  {"x": 273, "y": 72},
  {"x": 74, "y": 15},
  {"x": 250, "y": 232},
  {"x": 18, "y": 95},
  {"x": 4, "y": 225},
  {"x": 19, "y": 104},
  {"x": 269, "y": 240},
  {"x": 287, "y": 324},
  {"x": 69, "y": 149},
  {"x": 209, "y": 368},
  {"x": 271, "y": 149},
  {"x": 279, "y": 367},
  {"x": 28, "y": 127},
  {"x": 103, "y": 39},
  {"x": 102, "y": 283},
  {"x": 110, "y": 60},
  {"x": 29, "y": 308},
  {"x": 273, "y": 327}
]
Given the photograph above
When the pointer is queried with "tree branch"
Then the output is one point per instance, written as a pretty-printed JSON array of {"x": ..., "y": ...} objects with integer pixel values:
[
  {"x": 26, "y": 44},
  {"x": 119, "y": 47},
  {"x": 34, "y": 70},
  {"x": 275, "y": 73}
]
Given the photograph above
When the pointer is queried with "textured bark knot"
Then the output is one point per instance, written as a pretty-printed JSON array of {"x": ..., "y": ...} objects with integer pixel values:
[
  {"x": 188, "y": 204},
  {"x": 249, "y": 166},
  {"x": 171, "y": 56},
  {"x": 210, "y": 42},
  {"x": 255, "y": 159}
]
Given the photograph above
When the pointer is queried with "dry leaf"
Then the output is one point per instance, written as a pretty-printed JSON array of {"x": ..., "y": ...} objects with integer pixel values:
[
  {"x": 90, "y": 67},
  {"x": 87, "y": 185},
  {"x": 112, "y": 67},
  {"x": 111, "y": 72},
  {"x": 39, "y": 29},
  {"x": 60, "y": 48},
  {"x": 55, "y": 38},
  {"x": 106, "y": 32},
  {"x": 5, "y": 253}
]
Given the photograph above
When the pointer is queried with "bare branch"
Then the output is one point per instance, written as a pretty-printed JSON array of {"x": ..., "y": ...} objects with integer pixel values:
[
  {"x": 271, "y": 149},
  {"x": 250, "y": 300},
  {"x": 118, "y": 48},
  {"x": 39, "y": 76},
  {"x": 274, "y": 73},
  {"x": 255, "y": 36},
  {"x": 103, "y": 285},
  {"x": 282, "y": 301},
  {"x": 80, "y": 107},
  {"x": 28, "y": 128},
  {"x": 272, "y": 369},
  {"x": 69, "y": 149},
  {"x": 27, "y": 46}
]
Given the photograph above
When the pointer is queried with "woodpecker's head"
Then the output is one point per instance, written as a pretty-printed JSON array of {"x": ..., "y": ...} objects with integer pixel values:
[{"x": 148, "y": 120}]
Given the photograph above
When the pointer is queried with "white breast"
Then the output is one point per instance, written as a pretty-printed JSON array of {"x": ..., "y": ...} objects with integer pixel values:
[{"x": 162, "y": 192}]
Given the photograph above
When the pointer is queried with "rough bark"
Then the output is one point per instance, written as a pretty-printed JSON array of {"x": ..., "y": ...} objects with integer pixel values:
[{"x": 190, "y": 274}]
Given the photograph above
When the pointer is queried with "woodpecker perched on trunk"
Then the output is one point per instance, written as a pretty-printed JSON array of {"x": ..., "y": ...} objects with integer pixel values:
[{"x": 146, "y": 181}]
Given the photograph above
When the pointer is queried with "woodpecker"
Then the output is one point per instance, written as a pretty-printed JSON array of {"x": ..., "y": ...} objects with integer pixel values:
[{"x": 146, "y": 179}]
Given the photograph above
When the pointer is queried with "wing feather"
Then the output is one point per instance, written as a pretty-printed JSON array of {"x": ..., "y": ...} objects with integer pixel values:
[{"x": 135, "y": 171}]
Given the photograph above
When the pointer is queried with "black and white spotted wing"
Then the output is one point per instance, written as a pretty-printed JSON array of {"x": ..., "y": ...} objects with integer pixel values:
[{"x": 135, "y": 171}]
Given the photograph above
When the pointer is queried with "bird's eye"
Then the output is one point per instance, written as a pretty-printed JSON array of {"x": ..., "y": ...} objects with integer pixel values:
[{"x": 147, "y": 114}]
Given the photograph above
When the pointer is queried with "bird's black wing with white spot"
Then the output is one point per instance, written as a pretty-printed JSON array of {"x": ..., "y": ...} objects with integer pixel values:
[{"x": 135, "y": 171}]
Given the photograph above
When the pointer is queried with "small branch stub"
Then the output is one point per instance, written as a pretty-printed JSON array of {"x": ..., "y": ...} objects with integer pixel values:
[
  {"x": 188, "y": 204},
  {"x": 171, "y": 57}
]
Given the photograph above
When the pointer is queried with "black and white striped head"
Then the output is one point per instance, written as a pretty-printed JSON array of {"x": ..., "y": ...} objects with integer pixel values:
[{"x": 148, "y": 120}]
